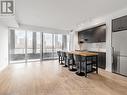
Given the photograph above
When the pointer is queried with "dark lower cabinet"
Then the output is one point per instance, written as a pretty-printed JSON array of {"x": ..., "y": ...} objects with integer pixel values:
[{"x": 102, "y": 60}]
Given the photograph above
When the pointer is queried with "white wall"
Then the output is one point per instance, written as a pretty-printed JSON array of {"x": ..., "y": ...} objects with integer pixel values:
[
  {"x": 3, "y": 47},
  {"x": 98, "y": 21}
]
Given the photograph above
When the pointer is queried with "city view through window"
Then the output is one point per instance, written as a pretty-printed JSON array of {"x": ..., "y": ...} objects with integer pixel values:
[{"x": 35, "y": 46}]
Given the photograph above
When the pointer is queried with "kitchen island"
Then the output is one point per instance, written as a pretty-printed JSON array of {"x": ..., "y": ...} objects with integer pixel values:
[{"x": 83, "y": 60}]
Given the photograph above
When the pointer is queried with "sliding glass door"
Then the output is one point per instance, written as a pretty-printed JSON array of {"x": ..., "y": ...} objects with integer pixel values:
[
  {"x": 47, "y": 46},
  {"x": 33, "y": 46},
  {"x": 38, "y": 46},
  {"x": 51, "y": 44},
  {"x": 27, "y": 46},
  {"x": 17, "y": 46},
  {"x": 57, "y": 44}
]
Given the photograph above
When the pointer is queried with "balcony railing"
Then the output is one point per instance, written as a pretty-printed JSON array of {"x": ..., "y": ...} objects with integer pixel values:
[{"x": 19, "y": 54}]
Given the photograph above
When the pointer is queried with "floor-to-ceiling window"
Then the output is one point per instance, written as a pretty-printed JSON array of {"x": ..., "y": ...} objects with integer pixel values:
[
  {"x": 57, "y": 44},
  {"x": 33, "y": 46},
  {"x": 17, "y": 46},
  {"x": 38, "y": 45},
  {"x": 47, "y": 46},
  {"x": 27, "y": 46},
  {"x": 29, "y": 43}
]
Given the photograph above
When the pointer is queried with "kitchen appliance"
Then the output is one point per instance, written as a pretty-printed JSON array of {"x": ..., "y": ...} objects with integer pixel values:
[{"x": 119, "y": 52}]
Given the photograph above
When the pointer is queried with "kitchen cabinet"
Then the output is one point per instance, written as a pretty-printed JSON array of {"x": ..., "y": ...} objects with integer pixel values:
[
  {"x": 88, "y": 36},
  {"x": 119, "y": 24},
  {"x": 102, "y": 60},
  {"x": 100, "y": 34},
  {"x": 80, "y": 37},
  {"x": 93, "y": 35}
]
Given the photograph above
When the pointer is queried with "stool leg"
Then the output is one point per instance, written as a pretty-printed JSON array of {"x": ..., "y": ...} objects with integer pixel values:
[
  {"x": 68, "y": 64},
  {"x": 59, "y": 59},
  {"x": 97, "y": 64},
  {"x": 86, "y": 67},
  {"x": 65, "y": 62}
]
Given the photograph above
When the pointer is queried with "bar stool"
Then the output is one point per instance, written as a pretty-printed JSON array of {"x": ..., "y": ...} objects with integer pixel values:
[
  {"x": 88, "y": 64},
  {"x": 60, "y": 57},
  {"x": 65, "y": 59},
  {"x": 71, "y": 62},
  {"x": 77, "y": 59},
  {"x": 58, "y": 53},
  {"x": 84, "y": 65},
  {"x": 95, "y": 63}
]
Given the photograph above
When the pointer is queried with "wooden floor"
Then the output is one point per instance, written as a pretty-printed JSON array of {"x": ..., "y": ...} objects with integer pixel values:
[{"x": 50, "y": 78}]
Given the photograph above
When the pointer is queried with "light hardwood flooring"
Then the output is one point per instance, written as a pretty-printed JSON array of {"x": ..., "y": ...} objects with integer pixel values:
[{"x": 50, "y": 78}]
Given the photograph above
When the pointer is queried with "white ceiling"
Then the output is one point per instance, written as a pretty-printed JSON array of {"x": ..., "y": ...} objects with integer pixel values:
[
  {"x": 8, "y": 21},
  {"x": 63, "y": 14}
]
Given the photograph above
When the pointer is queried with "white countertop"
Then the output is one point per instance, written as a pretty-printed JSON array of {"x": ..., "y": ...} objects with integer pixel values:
[{"x": 95, "y": 50}]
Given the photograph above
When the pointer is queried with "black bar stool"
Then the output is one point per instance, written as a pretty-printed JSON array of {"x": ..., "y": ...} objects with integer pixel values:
[
  {"x": 65, "y": 58},
  {"x": 84, "y": 65},
  {"x": 79, "y": 65},
  {"x": 58, "y": 53},
  {"x": 95, "y": 63},
  {"x": 90, "y": 64},
  {"x": 62, "y": 57},
  {"x": 71, "y": 62}
]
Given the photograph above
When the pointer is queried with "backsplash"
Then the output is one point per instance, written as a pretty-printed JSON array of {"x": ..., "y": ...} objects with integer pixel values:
[{"x": 99, "y": 47}]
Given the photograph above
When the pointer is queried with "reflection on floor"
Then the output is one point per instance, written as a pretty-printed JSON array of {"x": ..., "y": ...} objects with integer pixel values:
[
  {"x": 23, "y": 61},
  {"x": 50, "y": 78}
]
